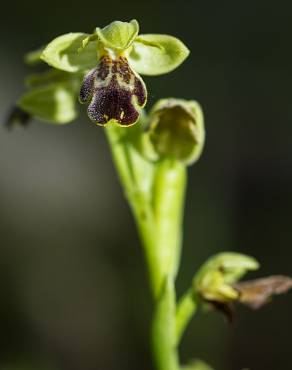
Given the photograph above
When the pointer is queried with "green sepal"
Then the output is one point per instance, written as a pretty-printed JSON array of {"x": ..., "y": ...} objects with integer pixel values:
[
  {"x": 64, "y": 53},
  {"x": 55, "y": 103},
  {"x": 118, "y": 35},
  {"x": 232, "y": 265},
  {"x": 155, "y": 54},
  {"x": 86, "y": 41}
]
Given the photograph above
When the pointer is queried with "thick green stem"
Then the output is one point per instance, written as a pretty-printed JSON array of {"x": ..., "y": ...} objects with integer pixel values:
[
  {"x": 163, "y": 329},
  {"x": 135, "y": 174},
  {"x": 156, "y": 196},
  {"x": 168, "y": 201}
]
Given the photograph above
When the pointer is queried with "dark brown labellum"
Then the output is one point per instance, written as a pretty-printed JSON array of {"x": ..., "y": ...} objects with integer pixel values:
[
  {"x": 256, "y": 293},
  {"x": 114, "y": 92}
]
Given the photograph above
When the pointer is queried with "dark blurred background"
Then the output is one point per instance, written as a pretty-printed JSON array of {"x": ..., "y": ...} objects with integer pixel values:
[{"x": 74, "y": 293}]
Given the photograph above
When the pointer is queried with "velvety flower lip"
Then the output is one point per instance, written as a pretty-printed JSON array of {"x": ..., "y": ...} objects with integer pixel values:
[{"x": 114, "y": 92}]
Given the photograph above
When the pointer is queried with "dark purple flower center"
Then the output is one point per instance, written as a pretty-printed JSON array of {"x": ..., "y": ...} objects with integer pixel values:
[{"x": 114, "y": 91}]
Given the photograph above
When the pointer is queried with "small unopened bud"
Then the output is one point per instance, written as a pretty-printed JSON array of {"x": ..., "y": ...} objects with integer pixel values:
[{"x": 176, "y": 130}]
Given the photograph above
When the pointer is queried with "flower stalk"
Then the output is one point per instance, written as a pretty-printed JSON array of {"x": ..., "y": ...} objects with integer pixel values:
[{"x": 151, "y": 153}]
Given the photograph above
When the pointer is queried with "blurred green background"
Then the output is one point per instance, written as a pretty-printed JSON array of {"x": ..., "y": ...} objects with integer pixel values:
[{"x": 74, "y": 293}]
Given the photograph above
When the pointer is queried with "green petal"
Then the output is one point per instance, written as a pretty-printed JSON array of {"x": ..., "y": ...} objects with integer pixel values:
[
  {"x": 118, "y": 35},
  {"x": 53, "y": 103},
  {"x": 157, "y": 54},
  {"x": 62, "y": 53}
]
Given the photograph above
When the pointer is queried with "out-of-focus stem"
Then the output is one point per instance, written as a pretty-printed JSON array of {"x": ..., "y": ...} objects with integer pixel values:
[{"x": 186, "y": 308}]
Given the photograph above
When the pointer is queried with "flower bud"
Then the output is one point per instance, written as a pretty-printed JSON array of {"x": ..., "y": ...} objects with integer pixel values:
[
  {"x": 176, "y": 130},
  {"x": 214, "y": 281}
]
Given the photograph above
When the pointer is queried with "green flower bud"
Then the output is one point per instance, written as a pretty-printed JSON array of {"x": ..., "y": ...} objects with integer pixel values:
[
  {"x": 176, "y": 130},
  {"x": 214, "y": 281},
  {"x": 55, "y": 103},
  {"x": 52, "y": 96}
]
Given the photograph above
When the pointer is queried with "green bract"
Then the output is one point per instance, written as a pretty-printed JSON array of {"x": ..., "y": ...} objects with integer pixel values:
[{"x": 176, "y": 130}]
